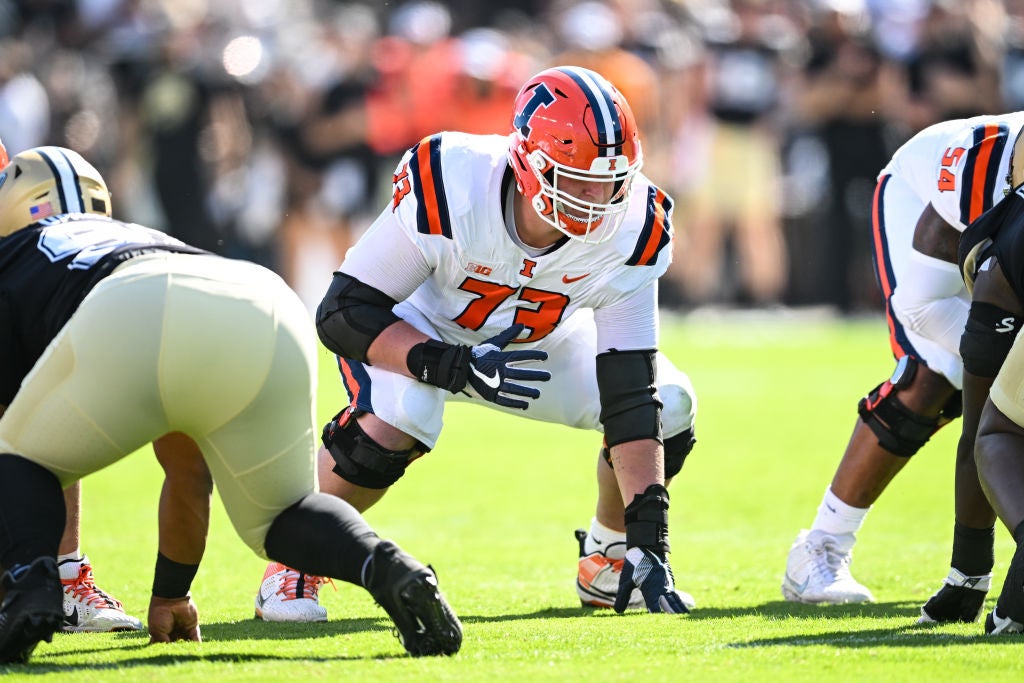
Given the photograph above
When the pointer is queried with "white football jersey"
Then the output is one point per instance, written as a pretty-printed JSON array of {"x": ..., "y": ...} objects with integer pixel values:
[
  {"x": 959, "y": 166},
  {"x": 441, "y": 247}
]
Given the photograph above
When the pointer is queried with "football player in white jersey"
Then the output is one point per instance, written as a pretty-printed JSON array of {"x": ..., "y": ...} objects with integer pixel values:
[
  {"x": 113, "y": 336},
  {"x": 497, "y": 253},
  {"x": 936, "y": 184}
]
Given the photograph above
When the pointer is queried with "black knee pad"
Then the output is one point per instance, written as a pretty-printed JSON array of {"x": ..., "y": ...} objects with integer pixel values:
[
  {"x": 900, "y": 430},
  {"x": 676, "y": 449},
  {"x": 359, "y": 459}
]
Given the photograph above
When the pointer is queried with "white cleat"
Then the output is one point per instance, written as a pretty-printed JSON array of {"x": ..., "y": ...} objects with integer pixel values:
[
  {"x": 288, "y": 595},
  {"x": 87, "y": 608},
  {"x": 818, "y": 571}
]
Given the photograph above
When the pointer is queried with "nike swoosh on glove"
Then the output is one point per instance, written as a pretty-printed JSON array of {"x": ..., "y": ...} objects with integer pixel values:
[
  {"x": 650, "y": 572},
  {"x": 491, "y": 370}
]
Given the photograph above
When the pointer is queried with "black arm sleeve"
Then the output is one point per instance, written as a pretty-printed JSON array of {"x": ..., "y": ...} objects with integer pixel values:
[
  {"x": 630, "y": 406},
  {"x": 351, "y": 315}
]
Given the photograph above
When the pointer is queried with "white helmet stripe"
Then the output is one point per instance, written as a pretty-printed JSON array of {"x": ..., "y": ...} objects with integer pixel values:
[
  {"x": 64, "y": 172},
  {"x": 609, "y": 130}
]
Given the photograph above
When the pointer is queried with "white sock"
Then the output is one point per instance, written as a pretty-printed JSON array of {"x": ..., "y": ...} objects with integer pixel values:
[
  {"x": 837, "y": 518},
  {"x": 601, "y": 538},
  {"x": 69, "y": 564}
]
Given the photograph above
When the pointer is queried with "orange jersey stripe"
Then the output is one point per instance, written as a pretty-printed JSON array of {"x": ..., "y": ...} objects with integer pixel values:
[
  {"x": 650, "y": 250},
  {"x": 657, "y": 230},
  {"x": 981, "y": 175},
  {"x": 882, "y": 265},
  {"x": 351, "y": 383},
  {"x": 429, "y": 192}
]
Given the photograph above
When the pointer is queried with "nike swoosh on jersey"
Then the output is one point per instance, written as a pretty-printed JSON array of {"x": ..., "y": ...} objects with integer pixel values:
[
  {"x": 569, "y": 280},
  {"x": 490, "y": 380}
]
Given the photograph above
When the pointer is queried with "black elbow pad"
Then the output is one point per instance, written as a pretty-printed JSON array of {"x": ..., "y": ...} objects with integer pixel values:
[
  {"x": 351, "y": 315},
  {"x": 630, "y": 406},
  {"x": 987, "y": 338}
]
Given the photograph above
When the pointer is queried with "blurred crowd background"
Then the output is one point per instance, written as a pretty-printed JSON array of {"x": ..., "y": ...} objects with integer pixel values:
[{"x": 269, "y": 129}]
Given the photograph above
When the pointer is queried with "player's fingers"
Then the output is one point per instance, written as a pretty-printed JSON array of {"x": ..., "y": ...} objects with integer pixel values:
[
  {"x": 526, "y": 355},
  {"x": 527, "y": 374},
  {"x": 519, "y": 390}
]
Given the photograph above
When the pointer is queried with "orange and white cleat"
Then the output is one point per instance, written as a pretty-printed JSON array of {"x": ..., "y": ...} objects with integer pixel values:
[
  {"x": 88, "y": 608},
  {"x": 597, "y": 580},
  {"x": 289, "y": 595}
]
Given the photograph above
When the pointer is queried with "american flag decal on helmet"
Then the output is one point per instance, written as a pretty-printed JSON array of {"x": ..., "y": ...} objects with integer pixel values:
[{"x": 40, "y": 211}]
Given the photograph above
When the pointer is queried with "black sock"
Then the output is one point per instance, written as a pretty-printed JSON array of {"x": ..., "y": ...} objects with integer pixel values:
[
  {"x": 973, "y": 550},
  {"x": 31, "y": 511},
  {"x": 322, "y": 535}
]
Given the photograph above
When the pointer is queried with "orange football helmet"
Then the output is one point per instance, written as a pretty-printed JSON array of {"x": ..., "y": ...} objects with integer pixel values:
[
  {"x": 4, "y": 159},
  {"x": 569, "y": 123}
]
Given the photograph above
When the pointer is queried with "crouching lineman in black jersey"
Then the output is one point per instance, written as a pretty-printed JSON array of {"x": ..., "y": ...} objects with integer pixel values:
[
  {"x": 114, "y": 335},
  {"x": 992, "y": 261},
  {"x": 87, "y": 607}
]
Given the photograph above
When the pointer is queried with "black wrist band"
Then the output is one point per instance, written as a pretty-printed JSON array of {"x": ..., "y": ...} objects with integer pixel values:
[
  {"x": 440, "y": 364},
  {"x": 172, "y": 579},
  {"x": 647, "y": 520}
]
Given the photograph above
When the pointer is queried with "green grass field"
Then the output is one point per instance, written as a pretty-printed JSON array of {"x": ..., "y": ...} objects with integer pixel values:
[{"x": 493, "y": 509}]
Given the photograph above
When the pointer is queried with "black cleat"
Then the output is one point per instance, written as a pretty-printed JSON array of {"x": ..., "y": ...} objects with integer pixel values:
[
  {"x": 408, "y": 592},
  {"x": 960, "y": 599},
  {"x": 996, "y": 625},
  {"x": 32, "y": 609},
  {"x": 1008, "y": 616}
]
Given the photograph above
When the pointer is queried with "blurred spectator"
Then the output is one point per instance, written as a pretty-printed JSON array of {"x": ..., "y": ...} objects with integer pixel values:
[
  {"x": 734, "y": 205},
  {"x": 179, "y": 102},
  {"x": 417, "y": 63},
  {"x": 953, "y": 69},
  {"x": 489, "y": 76},
  {"x": 24, "y": 102},
  {"x": 846, "y": 90},
  {"x": 322, "y": 123},
  {"x": 262, "y": 129}
]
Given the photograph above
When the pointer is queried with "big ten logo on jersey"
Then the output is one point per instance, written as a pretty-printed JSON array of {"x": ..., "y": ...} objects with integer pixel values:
[
  {"x": 478, "y": 269},
  {"x": 947, "y": 178},
  {"x": 402, "y": 186}
]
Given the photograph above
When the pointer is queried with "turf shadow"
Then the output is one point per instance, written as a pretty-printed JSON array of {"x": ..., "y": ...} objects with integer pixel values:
[{"x": 902, "y": 637}]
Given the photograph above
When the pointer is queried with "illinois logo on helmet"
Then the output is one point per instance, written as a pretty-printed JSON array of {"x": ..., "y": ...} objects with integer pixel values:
[
  {"x": 49, "y": 181},
  {"x": 570, "y": 124}
]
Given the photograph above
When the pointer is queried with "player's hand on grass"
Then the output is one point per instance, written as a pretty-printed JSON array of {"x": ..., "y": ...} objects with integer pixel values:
[
  {"x": 649, "y": 571},
  {"x": 173, "y": 619}
]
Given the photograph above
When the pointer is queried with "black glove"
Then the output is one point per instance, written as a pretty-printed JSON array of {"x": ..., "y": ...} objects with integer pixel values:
[
  {"x": 645, "y": 566},
  {"x": 486, "y": 367},
  {"x": 649, "y": 571},
  {"x": 490, "y": 370}
]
